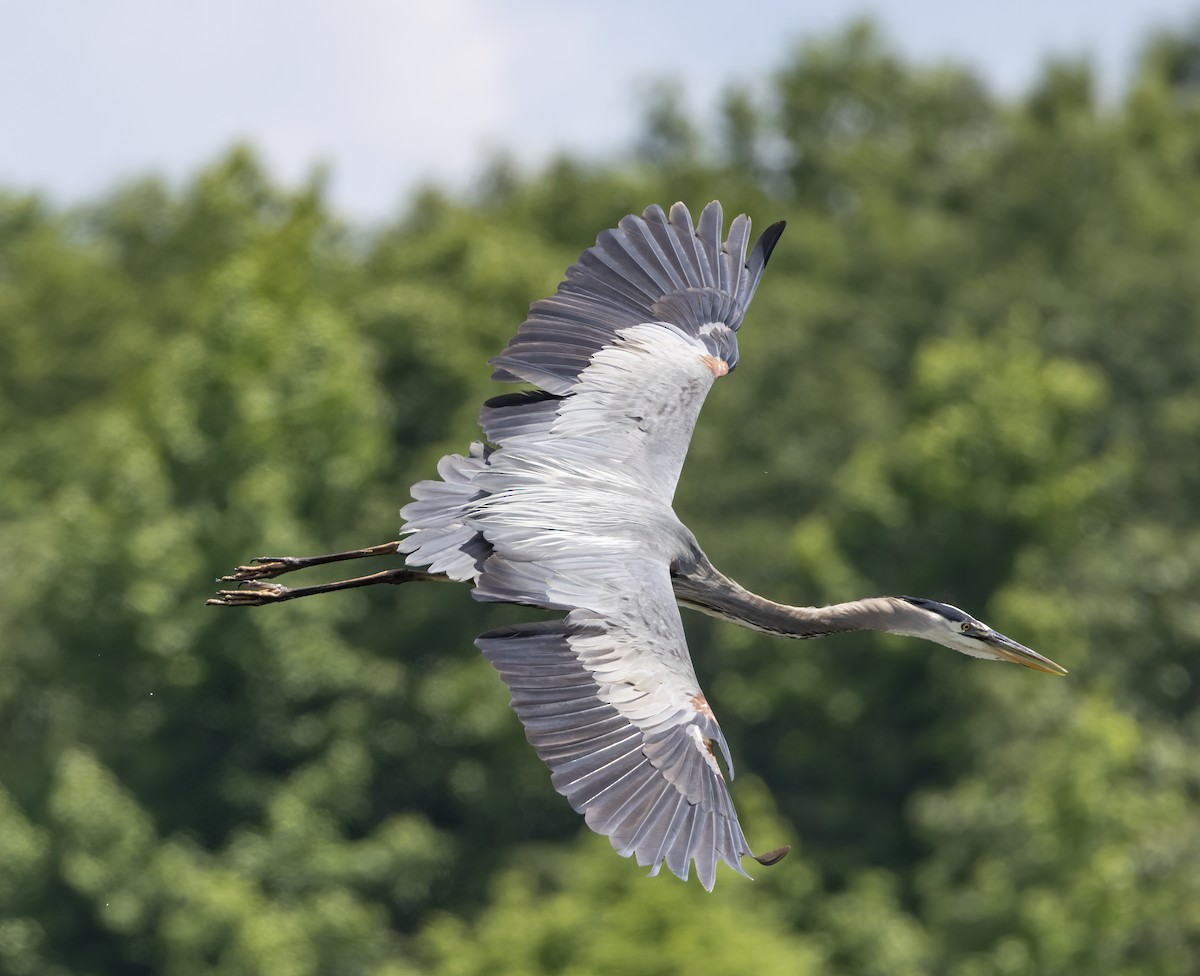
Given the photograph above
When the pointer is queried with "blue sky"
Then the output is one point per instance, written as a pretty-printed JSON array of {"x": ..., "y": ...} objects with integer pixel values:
[{"x": 391, "y": 92}]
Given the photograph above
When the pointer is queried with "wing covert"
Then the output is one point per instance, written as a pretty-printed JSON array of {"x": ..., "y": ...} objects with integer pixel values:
[{"x": 630, "y": 417}]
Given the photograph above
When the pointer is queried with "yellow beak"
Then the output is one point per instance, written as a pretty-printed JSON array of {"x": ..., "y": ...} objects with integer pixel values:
[{"x": 1010, "y": 650}]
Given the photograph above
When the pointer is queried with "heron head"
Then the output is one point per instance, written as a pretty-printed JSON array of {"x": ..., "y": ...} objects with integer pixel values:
[{"x": 947, "y": 625}]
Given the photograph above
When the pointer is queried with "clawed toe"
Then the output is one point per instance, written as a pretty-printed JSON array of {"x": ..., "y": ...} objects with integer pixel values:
[
  {"x": 262, "y": 567},
  {"x": 253, "y": 594}
]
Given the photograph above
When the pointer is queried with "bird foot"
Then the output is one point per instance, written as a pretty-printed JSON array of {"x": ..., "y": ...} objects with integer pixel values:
[
  {"x": 254, "y": 593},
  {"x": 264, "y": 567}
]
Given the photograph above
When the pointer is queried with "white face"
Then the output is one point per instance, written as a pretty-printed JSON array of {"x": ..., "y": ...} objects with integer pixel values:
[{"x": 966, "y": 637}]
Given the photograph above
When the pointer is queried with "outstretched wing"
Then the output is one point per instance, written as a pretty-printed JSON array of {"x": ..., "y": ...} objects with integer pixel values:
[
  {"x": 626, "y": 350},
  {"x": 610, "y": 701}
]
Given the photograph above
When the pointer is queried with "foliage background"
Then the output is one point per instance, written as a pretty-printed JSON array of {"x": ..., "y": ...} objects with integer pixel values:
[{"x": 972, "y": 373}]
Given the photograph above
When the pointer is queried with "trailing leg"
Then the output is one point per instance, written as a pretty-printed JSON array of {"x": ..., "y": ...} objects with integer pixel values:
[
  {"x": 257, "y": 593},
  {"x": 268, "y": 567}
]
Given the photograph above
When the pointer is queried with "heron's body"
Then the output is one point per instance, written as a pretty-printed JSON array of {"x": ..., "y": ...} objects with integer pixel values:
[{"x": 568, "y": 507}]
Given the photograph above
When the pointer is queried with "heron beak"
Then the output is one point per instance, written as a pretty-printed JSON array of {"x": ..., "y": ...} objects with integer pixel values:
[{"x": 1009, "y": 650}]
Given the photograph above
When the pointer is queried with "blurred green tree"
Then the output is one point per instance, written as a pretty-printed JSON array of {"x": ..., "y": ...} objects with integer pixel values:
[{"x": 973, "y": 373}]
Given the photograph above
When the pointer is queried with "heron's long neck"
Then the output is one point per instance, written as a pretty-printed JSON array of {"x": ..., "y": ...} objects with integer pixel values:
[{"x": 706, "y": 589}]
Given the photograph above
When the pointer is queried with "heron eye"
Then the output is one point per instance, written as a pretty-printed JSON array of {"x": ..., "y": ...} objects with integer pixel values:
[{"x": 966, "y": 627}]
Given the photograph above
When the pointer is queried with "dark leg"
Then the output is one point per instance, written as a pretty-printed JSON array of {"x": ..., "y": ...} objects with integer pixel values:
[
  {"x": 256, "y": 593},
  {"x": 268, "y": 567}
]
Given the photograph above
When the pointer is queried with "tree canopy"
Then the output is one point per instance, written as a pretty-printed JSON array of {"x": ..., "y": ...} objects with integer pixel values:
[{"x": 972, "y": 373}]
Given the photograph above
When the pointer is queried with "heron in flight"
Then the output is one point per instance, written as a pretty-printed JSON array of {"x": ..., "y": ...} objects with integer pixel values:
[{"x": 566, "y": 505}]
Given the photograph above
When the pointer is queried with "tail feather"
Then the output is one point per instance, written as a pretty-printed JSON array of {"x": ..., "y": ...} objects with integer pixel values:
[{"x": 437, "y": 533}]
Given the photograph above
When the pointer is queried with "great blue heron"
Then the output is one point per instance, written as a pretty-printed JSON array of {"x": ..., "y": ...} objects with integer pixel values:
[{"x": 568, "y": 507}]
